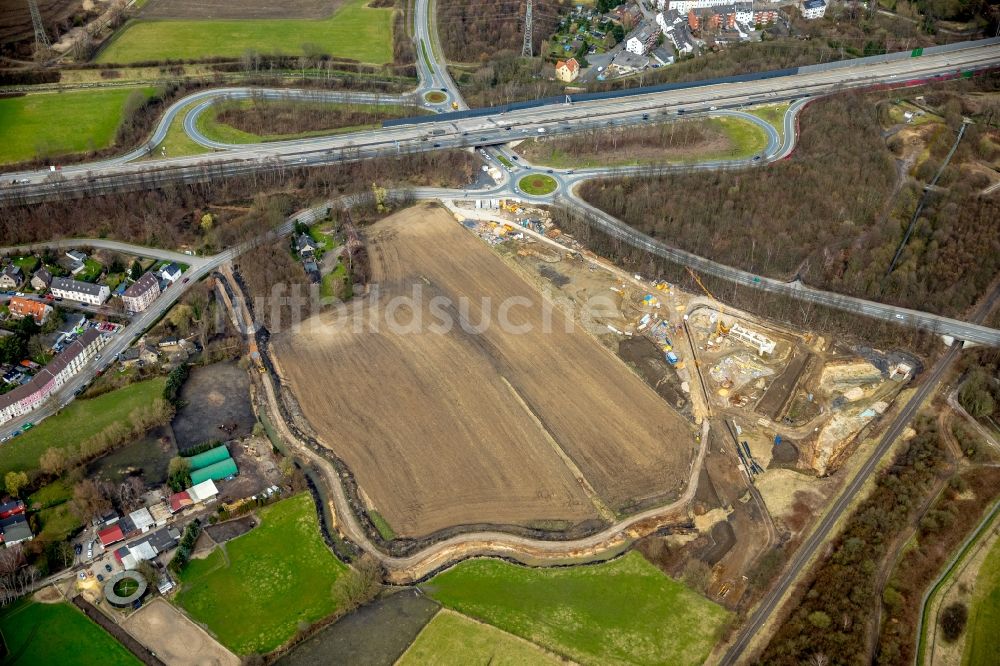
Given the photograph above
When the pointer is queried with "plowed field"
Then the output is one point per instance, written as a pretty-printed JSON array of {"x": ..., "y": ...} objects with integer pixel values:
[{"x": 453, "y": 427}]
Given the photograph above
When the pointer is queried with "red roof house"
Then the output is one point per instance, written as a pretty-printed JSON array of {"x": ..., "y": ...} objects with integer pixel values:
[
  {"x": 180, "y": 500},
  {"x": 111, "y": 535}
]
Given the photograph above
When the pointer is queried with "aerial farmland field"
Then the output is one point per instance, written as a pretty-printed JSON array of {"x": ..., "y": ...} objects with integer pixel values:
[
  {"x": 453, "y": 639},
  {"x": 274, "y": 587},
  {"x": 454, "y": 427},
  {"x": 624, "y": 611},
  {"x": 59, "y": 123},
  {"x": 187, "y": 30}
]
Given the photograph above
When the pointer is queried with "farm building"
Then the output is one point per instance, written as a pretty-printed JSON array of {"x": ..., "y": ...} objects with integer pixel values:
[
  {"x": 215, "y": 471},
  {"x": 142, "y": 519},
  {"x": 180, "y": 501},
  {"x": 202, "y": 492},
  {"x": 111, "y": 535},
  {"x": 210, "y": 457}
]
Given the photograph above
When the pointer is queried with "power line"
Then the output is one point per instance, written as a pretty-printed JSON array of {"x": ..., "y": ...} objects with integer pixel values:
[
  {"x": 41, "y": 39},
  {"x": 526, "y": 49}
]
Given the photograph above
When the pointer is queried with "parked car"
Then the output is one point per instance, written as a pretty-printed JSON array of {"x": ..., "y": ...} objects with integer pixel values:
[
  {"x": 107, "y": 567},
  {"x": 100, "y": 578}
]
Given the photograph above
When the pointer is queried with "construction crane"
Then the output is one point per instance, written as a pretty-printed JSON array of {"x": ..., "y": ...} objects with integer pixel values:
[{"x": 720, "y": 328}]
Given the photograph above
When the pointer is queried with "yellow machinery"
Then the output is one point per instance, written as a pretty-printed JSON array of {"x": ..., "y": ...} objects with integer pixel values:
[{"x": 720, "y": 328}]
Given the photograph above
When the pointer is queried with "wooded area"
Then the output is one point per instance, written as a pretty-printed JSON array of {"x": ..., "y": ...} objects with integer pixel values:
[
  {"x": 480, "y": 30},
  {"x": 829, "y": 623},
  {"x": 171, "y": 215},
  {"x": 953, "y": 515},
  {"x": 830, "y": 215}
]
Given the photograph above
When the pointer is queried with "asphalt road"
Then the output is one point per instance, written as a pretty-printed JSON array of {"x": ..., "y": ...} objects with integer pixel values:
[{"x": 449, "y": 132}]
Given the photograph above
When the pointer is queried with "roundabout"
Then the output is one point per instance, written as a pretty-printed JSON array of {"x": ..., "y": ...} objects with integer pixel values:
[
  {"x": 435, "y": 97},
  {"x": 124, "y": 588},
  {"x": 537, "y": 184}
]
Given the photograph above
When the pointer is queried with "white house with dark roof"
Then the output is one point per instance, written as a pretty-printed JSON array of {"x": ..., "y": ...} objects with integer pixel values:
[
  {"x": 75, "y": 290},
  {"x": 171, "y": 272}
]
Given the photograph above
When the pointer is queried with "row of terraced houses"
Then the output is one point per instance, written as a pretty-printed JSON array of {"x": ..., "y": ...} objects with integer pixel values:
[{"x": 59, "y": 370}]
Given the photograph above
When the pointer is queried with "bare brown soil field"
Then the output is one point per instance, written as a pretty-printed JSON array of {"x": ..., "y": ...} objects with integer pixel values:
[
  {"x": 15, "y": 21},
  {"x": 175, "y": 639},
  {"x": 246, "y": 9},
  {"x": 452, "y": 427}
]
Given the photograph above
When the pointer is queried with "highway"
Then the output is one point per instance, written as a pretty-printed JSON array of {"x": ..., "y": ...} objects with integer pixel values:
[{"x": 446, "y": 131}]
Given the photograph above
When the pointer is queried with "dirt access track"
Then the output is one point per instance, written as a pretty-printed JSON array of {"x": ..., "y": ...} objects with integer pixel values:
[
  {"x": 245, "y": 9},
  {"x": 453, "y": 428},
  {"x": 175, "y": 639}
]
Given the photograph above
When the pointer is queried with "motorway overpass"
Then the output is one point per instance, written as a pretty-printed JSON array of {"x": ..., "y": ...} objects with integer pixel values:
[{"x": 456, "y": 130}]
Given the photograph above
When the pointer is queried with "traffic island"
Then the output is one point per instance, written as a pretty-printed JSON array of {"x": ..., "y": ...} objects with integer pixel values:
[
  {"x": 537, "y": 184},
  {"x": 435, "y": 97}
]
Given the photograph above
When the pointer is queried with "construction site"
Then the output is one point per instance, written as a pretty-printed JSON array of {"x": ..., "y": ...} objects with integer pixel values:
[{"x": 787, "y": 408}]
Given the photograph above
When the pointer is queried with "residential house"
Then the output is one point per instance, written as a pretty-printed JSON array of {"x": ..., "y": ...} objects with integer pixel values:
[
  {"x": 304, "y": 245},
  {"x": 11, "y": 277},
  {"x": 813, "y": 9},
  {"x": 84, "y": 292},
  {"x": 15, "y": 530},
  {"x": 677, "y": 31},
  {"x": 77, "y": 261},
  {"x": 67, "y": 363},
  {"x": 25, "y": 307},
  {"x": 171, "y": 272},
  {"x": 567, "y": 70},
  {"x": 41, "y": 280},
  {"x": 662, "y": 56},
  {"x": 141, "y": 293},
  {"x": 641, "y": 41},
  {"x": 12, "y": 508}
]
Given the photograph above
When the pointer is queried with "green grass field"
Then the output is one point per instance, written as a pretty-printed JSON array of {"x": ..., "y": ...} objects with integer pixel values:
[
  {"x": 58, "y": 634},
  {"x": 82, "y": 419},
  {"x": 983, "y": 630},
  {"x": 58, "y": 522},
  {"x": 773, "y": 114},
  {"x": 49, "y": 124},
  {"x": 382, "y": 525},
  {"x": 269, "y": 580},
  {"x": 177, "y": 143},
  {"x": 451, "y": 639},
  {"x": 353, "y": 31},
  {"x": 624, "y": 611},
  {"x": 537, "y": 184}
]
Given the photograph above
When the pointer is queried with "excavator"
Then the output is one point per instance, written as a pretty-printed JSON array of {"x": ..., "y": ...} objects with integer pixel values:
[{"x": 720, "y": 328}]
